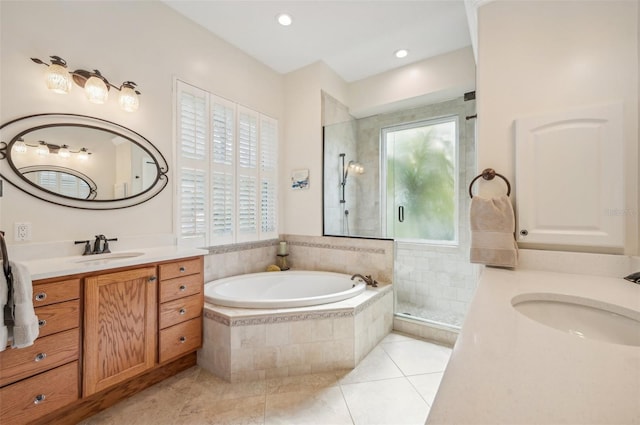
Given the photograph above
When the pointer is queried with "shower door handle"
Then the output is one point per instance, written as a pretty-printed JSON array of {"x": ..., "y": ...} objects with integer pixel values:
[{"x": 400, "y": 213}]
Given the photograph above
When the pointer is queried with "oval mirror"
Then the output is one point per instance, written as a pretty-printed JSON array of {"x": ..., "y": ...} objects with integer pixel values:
[{"x": 80, "y": 161}]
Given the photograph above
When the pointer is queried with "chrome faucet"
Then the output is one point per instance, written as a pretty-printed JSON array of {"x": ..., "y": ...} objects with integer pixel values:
[
  {"x": 367, "y": 279},
  {"x": 634, "y": 277}
]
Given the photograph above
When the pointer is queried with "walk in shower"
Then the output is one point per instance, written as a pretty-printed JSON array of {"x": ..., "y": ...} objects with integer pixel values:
[{"x": 414, "y": 165}]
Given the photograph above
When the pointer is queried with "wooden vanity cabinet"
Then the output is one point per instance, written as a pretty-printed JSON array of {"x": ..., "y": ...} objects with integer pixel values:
[
  {"x": 120, "y": 327},
  {"x": 44, "y": 377},
  {"x": 180, "y": 308},
  {"x": 104, "y": 336}
]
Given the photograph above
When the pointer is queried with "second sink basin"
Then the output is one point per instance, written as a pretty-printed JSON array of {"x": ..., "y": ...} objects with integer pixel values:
[
  {"x": 102, "y": 258},
  {"x": 583, "y": 317}
]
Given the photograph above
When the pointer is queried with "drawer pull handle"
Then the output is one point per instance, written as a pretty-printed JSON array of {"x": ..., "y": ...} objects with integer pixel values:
[
  {"x": 40, "y": 356},
  {"x": 183, "y": 339},
  {"x": 39, "y": 398},
  {"x": 41, "y": 296},
  {"x": 42, "y": 322},
  {"x": 183, "y": 288},
  {"x": 152, "y": 278},
  {"x": 182, "y": 269},
  {"x": 183, "y": 311}
]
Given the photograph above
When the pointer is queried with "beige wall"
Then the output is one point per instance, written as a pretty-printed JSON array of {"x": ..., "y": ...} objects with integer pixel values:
[
  {"x": 301, "y": 210},
  {"x": 433, "y": 80},
  {"x": 142, "y": 41},
  {"x": 536, "y": 57}
]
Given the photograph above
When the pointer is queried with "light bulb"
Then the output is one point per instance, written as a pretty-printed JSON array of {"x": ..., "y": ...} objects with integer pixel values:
[
  {"x": 402, "y": 53},
  {"x": 64, "y": 151},
  {"x": 43, "y": 149},
  {"x": 284, "y": 19},
  {"x": 19, "y": 146},
  {"x": 128, "y": 98},
  {"x": 96, "y": 90},
  {"x": 58, "y": 79},
  {"x": 83, "y": 154}
]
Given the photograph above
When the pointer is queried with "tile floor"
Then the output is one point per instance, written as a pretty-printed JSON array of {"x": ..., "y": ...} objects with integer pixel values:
[{"x": 395, "y": 384}]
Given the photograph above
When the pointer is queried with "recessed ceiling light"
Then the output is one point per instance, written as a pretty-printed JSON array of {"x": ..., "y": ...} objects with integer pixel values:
[
  {"x": 401, "y": 53},
  {"x": 284, "y": 19}
]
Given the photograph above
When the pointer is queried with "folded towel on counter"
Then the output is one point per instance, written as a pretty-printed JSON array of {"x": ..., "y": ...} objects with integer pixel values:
[
  {"x": 492, "y": 232},
  {"x": 25, "y": 327},
  {"x": 4, "y": 299}
]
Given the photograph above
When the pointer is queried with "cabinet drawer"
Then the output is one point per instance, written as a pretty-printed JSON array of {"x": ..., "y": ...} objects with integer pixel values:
[
  {"x": 180, "y": 287},
  {"x": 180, "y": 268},
  {"x": 46, "y": 353},
  {"x": 180, "y": 310},
  {"x": 58, "y": 317},
  {"x": 55, "y": 292},
  {"x": 180, "y": 339},
  {"x": 25, "y": 401}
]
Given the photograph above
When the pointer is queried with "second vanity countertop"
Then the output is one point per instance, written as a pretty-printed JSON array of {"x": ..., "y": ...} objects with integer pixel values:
[
  {"x": 63, "y": 266},
  {"x": 508, "y": 369}
]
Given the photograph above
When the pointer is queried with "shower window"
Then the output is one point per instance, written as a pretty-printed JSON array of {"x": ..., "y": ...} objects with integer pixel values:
[{"x": 420, "y": 169}]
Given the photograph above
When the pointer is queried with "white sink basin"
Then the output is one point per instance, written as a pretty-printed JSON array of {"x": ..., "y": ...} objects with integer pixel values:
[
  {"x": 104, "y": 258},
  {"x": 583, "y": 317}
]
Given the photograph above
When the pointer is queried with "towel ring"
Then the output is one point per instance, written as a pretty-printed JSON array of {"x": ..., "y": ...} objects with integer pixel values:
[{"x": 489, "y": 174}]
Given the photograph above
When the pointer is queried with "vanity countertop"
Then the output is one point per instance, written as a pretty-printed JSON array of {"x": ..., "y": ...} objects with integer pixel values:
[
  {"x": 508, "y": 369},
  {"x": 63, "y": 266}
]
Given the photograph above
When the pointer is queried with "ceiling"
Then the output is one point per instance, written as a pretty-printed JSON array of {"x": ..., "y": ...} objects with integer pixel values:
[{"x": 356, "y": 38}]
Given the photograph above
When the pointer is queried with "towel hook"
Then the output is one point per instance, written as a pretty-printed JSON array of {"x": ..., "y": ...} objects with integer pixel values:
[{"x": 489, "y": 174}]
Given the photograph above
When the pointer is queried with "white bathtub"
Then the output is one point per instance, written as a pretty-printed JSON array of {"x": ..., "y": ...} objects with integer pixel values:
[{"x": 282, "y": 289}]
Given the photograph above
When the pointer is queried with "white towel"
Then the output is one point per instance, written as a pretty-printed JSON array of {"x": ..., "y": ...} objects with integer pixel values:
[
  {"x": 25, "y": 329},
  {"x": 4, "y": 294},
  {"x": 492, "y": 232}
]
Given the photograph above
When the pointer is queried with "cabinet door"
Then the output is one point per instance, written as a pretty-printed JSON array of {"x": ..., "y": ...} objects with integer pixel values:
[
  {"x": 119, "y": 327},
  {"x": 570, "y": 179}
]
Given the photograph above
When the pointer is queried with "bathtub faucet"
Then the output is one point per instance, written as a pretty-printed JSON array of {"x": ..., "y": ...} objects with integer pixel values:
[
  {"x": 367, "y": 279},
  {"x": 634, "y": 277}
]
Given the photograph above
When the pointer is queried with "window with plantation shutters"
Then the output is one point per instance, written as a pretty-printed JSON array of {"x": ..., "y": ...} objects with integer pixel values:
[
  {"x": 247, "y": 171},
  {"x": 192, "y": 165},
  {"x": 268, "y": 177},
  {"x": 227, "y": 166},
  {"x": 223, "y": 199}
]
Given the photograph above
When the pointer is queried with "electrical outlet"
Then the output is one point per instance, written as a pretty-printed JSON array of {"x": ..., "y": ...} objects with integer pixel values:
[{"x": 22, "y": 232}]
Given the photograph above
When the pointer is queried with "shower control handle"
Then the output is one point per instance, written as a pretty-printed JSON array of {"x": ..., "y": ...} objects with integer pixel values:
[{"x": 401, "y": 213}]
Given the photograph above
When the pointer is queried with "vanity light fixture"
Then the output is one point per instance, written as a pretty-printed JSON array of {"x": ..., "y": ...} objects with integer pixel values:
[
  {"x": 83, "y": 155},
  {"x": 401, "y": 53},
  {"x": 96, "y": 86},
  {"x": 64, "y": 151},
  {"x": 43, "y": 149},
  {"x": 284, "y": 19},
  {"x": 20, "y": 146}
]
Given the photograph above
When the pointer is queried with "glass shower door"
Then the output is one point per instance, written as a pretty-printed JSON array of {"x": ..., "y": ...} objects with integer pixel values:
[{"x": 421, "y": 180}]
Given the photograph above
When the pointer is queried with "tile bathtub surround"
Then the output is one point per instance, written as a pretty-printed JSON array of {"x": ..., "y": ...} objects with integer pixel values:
[
  {"x": 232, "y": 260},
  {"x": 394, "y": 384},
  {"x": 342, "y": 255},
  {"x": 253, "y": 344}
]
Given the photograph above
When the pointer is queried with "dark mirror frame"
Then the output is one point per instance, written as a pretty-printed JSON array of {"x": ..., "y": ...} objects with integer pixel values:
[
  {"x": 86, "y": 179},
  {"x": 15, "y": 129}
]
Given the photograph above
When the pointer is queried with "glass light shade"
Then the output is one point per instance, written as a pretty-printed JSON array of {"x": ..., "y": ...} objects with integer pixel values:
[
  {"x": 58, "y": 79},
  {"x": 43, "y": 149},
  {"x": 19, "y": 146},
  {"x": 96, "y": 90},
  {"x": 64, "y": 151},
  {"x": 128, "y": 99},
  {"x": 83, "y": 154}
]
